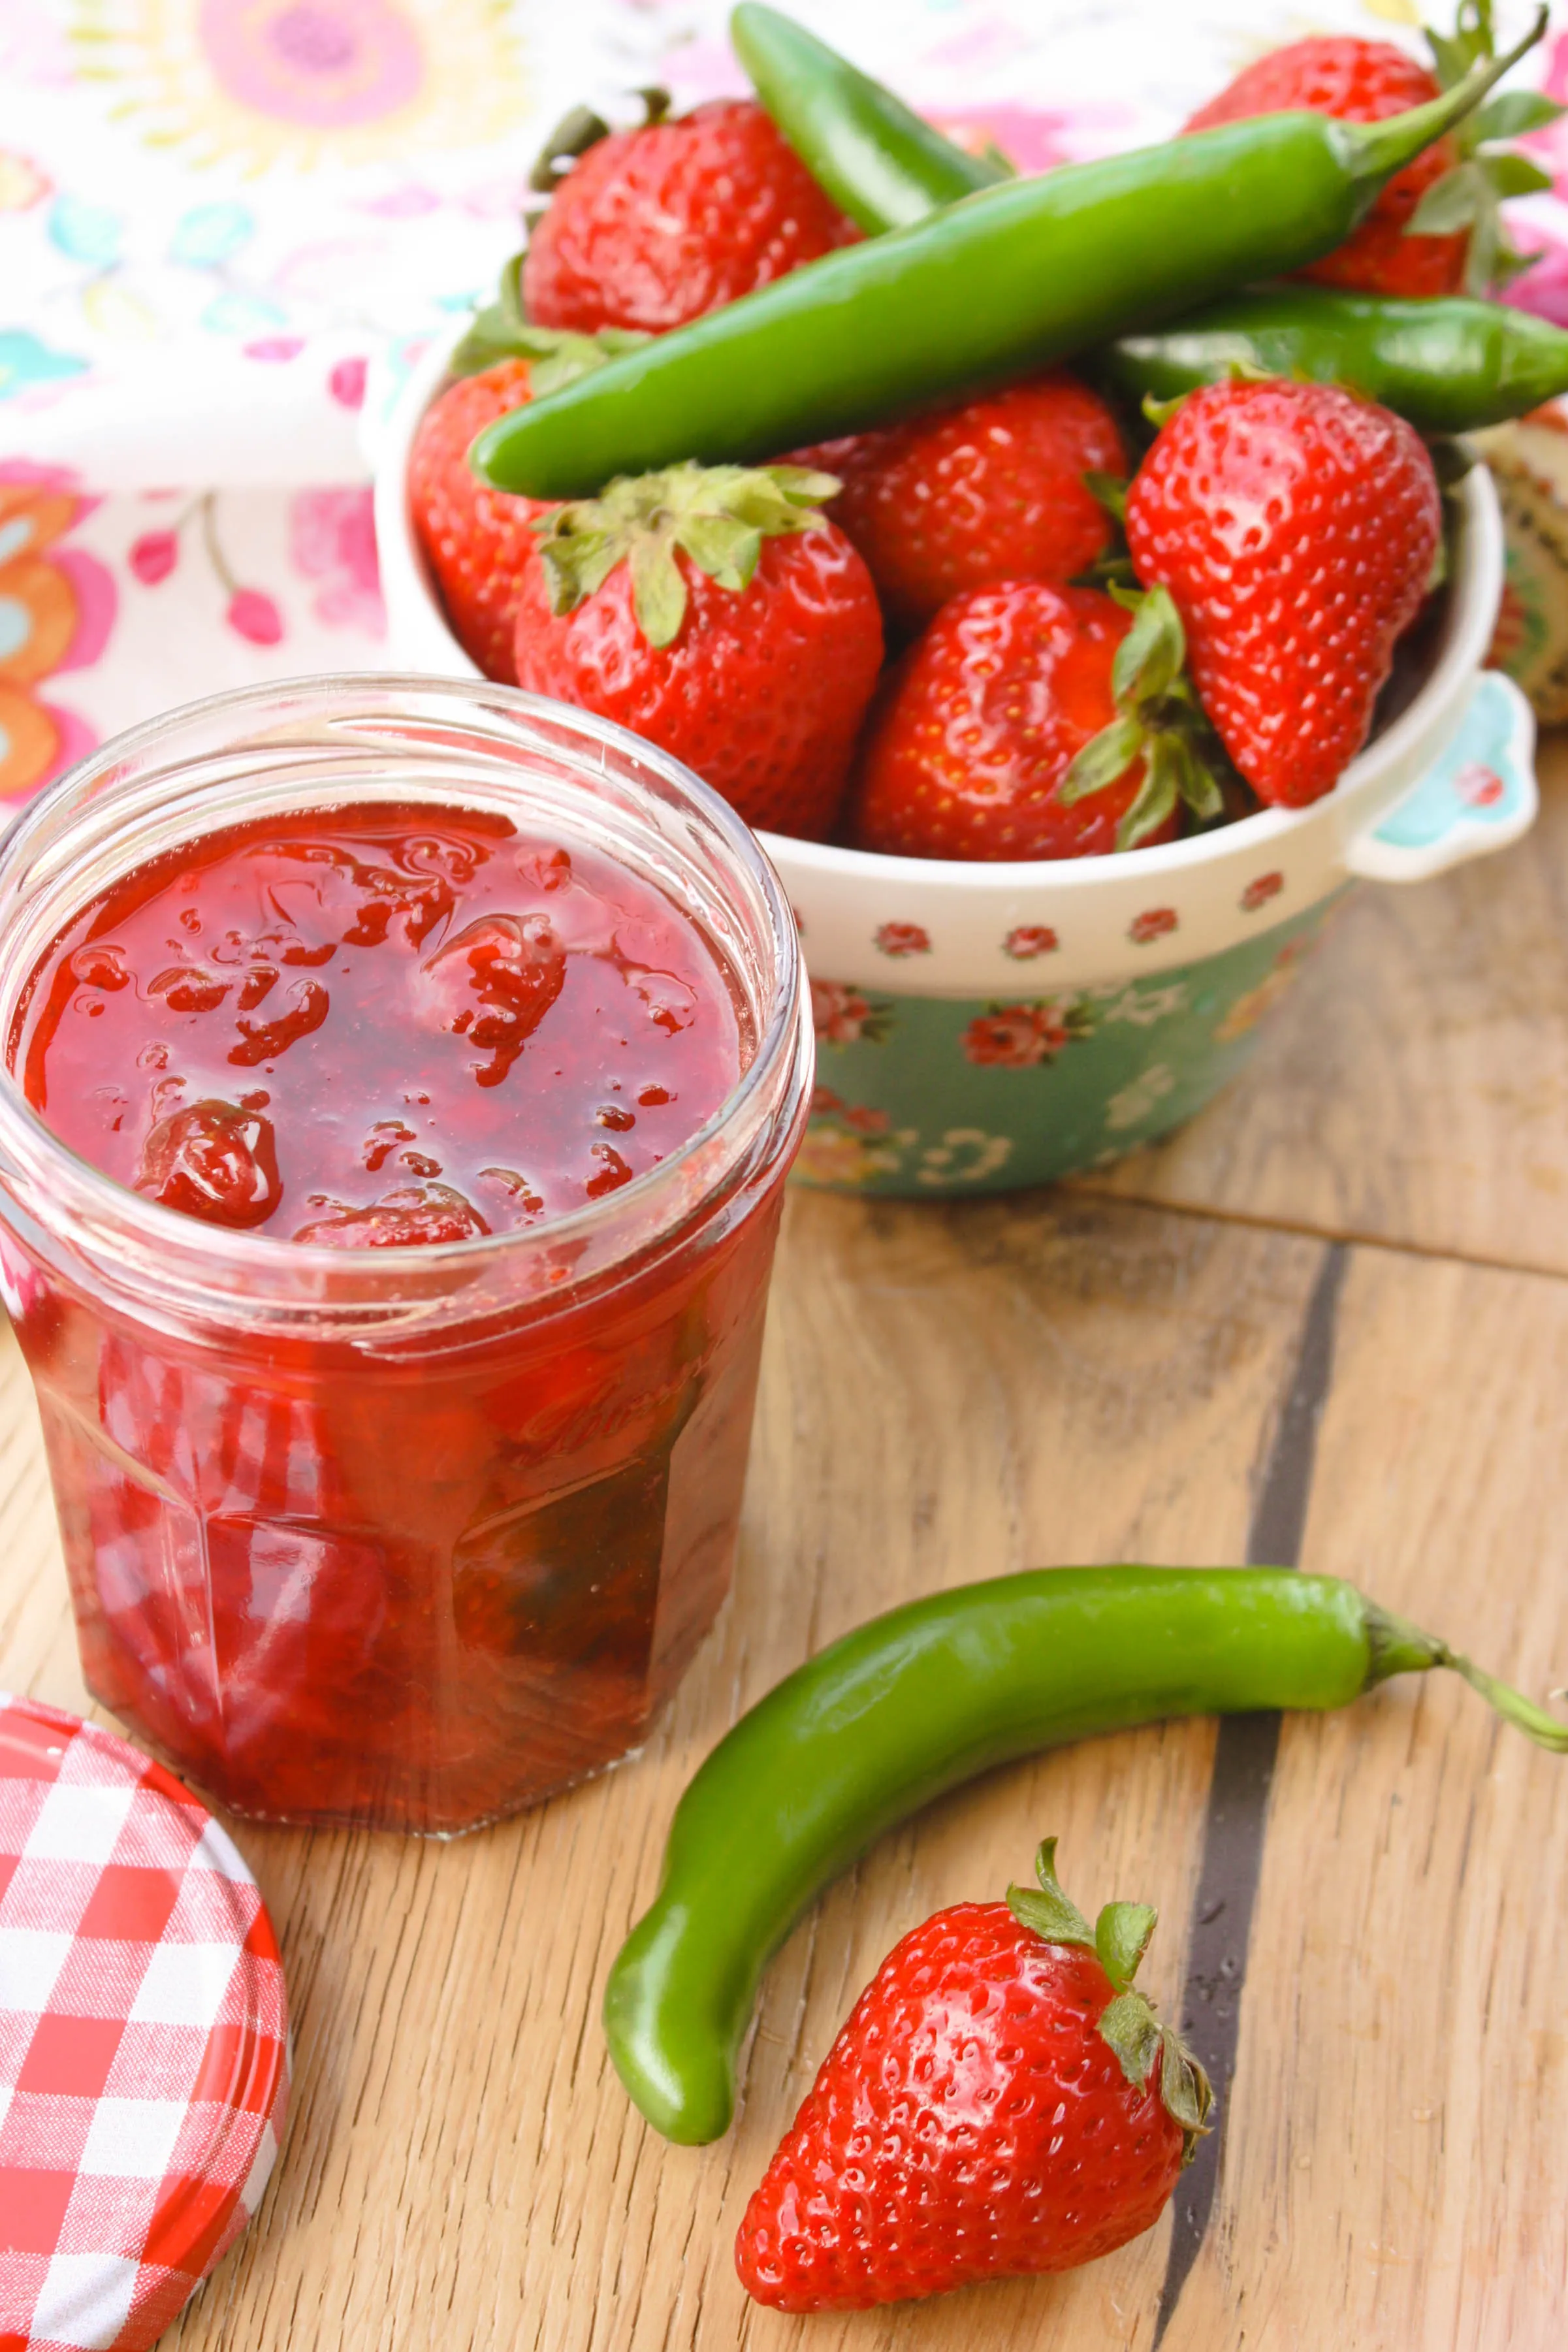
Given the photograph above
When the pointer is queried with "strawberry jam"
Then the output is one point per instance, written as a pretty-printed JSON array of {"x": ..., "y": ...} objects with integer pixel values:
[
  {"x": 382, "y": 1027},
  {"x": 398, "y": 1386}
]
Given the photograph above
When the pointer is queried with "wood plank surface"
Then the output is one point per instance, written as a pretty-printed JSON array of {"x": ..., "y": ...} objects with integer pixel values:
[
  {"x": 1396, "y": 2159},
  {"x": 1077, "y": 1379},
  {"x": 1413, "y": 1086}
]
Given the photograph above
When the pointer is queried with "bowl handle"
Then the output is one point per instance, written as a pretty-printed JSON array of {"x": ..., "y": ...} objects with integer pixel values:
[{"x": 1480, "y": 795}]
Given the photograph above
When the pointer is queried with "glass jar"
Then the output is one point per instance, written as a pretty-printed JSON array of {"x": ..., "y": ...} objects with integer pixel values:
[{"x": 406, "y": 1538}]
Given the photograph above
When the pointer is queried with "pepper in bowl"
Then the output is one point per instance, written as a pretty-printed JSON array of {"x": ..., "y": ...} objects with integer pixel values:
[{"x": 399, "y": 1085}]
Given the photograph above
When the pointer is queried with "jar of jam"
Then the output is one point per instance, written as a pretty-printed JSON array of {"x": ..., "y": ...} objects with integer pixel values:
[{"x": 400, "y": 1080}]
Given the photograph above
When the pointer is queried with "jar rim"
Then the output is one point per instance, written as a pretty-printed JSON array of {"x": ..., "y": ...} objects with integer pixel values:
[{"x": 84, "y": 1196}]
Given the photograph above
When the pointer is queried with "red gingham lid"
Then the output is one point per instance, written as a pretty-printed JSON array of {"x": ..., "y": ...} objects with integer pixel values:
[{"x": 144, "y": 2039}]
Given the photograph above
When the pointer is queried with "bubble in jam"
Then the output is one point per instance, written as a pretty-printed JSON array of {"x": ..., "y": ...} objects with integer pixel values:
[{"x": 380, "y": 1026}]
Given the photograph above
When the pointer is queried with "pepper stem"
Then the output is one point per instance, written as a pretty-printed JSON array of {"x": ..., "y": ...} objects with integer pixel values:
[
  {"x": 1545, "y": 1729},
  {"x": 1375, "y": 151},
  {"x": 1397, "y": 1647}
]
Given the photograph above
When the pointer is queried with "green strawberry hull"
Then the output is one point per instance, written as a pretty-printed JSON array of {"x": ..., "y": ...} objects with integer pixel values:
[{"x": 922, "y": 1097}]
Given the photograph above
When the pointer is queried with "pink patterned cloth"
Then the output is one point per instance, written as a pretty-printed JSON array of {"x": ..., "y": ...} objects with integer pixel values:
[{"x": 227, "y": 226}]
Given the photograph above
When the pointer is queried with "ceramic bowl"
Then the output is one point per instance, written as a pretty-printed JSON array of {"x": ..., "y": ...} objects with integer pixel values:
[{"x": 981, "y": 1027}]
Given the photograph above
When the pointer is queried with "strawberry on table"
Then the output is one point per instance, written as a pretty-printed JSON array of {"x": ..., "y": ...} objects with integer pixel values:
[
  {"x": 1001, "y": 2101},
  {"x": 975, "y": 748},
  {"x": 720, "y": 613},
  {"x": 993, "y": 489},
  {"x": 653, "y": 226},
  {"x": 1358, "y": 80},
  {"x": 1295, "y": 527}
]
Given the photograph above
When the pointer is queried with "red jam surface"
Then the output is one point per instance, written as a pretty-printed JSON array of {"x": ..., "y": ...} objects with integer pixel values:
[
  {"x": 419, "y": 1583},
  {"x": 382, "y": 1026}
]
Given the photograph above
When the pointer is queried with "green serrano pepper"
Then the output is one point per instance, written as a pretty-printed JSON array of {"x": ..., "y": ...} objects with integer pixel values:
[
  {"x": 1007, "y": 279},
  {"x": 1449, "y": 365},
  {"x": 878, "y": 158},
  {"x": 922, "y": 1699}
]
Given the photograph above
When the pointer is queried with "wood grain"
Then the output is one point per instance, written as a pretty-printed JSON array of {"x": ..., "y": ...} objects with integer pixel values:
[
  {"x": 1076, "y": 1382},
  {"x": 1414, "y": 1087},
  {"x": 1396, "y": 2161},
  {"x": 1076, "y": 1379}
]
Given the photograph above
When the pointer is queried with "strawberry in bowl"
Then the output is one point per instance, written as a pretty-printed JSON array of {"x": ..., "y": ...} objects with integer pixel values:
[
  {"x": 653, "y": 226},
  {"x": 1023, "y": 668},
  {"x": 717, "y": 613},
  {"x": 995, "y": 488}
]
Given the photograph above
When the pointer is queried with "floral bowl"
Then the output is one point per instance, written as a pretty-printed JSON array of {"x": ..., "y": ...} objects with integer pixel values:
[{"x": 984, "y": 1027}]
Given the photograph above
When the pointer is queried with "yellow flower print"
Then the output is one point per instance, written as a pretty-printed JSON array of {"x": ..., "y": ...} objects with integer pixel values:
[{"x": 301, "y": 83}]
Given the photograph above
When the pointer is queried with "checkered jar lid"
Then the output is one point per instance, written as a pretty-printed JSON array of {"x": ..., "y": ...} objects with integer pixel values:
[{"x": 144, "y": 2039}]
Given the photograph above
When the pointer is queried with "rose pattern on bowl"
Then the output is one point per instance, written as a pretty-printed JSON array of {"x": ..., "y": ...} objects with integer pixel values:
[
  {"x": 1026, "y": 941},
  {"x": 847, "y": 1145},
  {"x": 860, "y": 1118},
  {"x": 903, "y": 939},
  {"x": 937, "y": 1094},
  {"x": 842, "y": 1017},
  {"x": 1022, "y": 1037},
  {"x": 1258, "y": 892},
  {"x": 1155, "y": 923}
]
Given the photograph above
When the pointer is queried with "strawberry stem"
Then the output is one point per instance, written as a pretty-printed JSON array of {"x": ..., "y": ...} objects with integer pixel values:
[
  {"x": 1375, "y": 151},
  {"x": 1122, "y": 1935},
  {"x": 716, "y": 516},
  {"x": 580, "y": 129},
  {"x": 1111, "y": 491},
  {"x": 500, "y": 331},
  {"x": 1051, "y": 1914},
  {"x": 1159, "y": 721},
  {"x": 1127, "y": 2024},
  {"x": 1471, "y": 196}
]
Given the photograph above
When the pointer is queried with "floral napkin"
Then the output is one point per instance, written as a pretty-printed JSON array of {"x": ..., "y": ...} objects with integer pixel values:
[{"x": 226, "y": 226}]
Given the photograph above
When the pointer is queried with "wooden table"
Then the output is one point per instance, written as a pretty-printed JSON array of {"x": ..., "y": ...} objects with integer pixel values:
[{"x": 1329, "y": 1321}]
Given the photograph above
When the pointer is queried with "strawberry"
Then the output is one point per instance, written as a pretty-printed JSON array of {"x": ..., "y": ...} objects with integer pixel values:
[
  {"x": 414, "y": 1217},
  {"x": 969, "y": 752},
  {"x": 991, "y": 490},
  {"x": 216, "y": 1161},
  {"x": 476, "y": 540},
  {"x": 1296, "y": 528},
  {"x": 1000, "y": 2100},
  {"x": 1358, "y": 80},
  {"x": 717, "y": 613},
  {"x": 653, "y": 226}
]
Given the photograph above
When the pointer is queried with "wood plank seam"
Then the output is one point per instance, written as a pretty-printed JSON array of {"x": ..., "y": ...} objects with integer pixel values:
[
  {"x": 1236, "y": 1813},
  {"x": 1345, "y": 1237}
]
